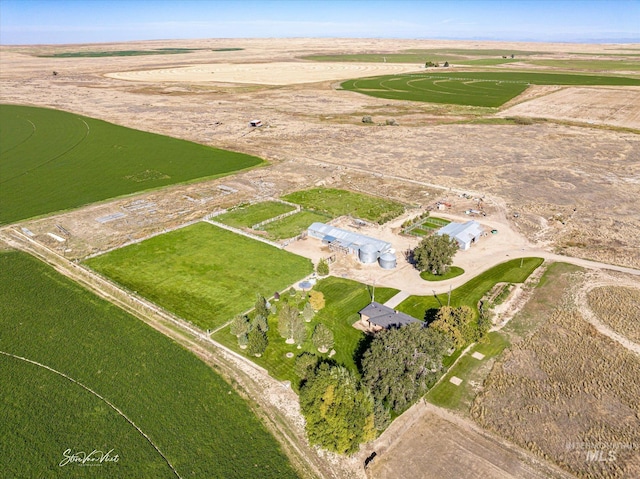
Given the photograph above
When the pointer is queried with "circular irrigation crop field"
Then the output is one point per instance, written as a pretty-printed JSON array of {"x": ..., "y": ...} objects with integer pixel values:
[{"x": 487, "y": 89}]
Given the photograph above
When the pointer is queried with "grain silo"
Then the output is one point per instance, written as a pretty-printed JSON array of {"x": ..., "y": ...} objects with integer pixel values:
[
  {"x": 368, "y": 253},
  {"x": 387, "y": 260}
]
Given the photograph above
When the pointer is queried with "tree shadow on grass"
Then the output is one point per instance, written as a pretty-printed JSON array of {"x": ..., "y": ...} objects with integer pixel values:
[
  {"x": 430, "y": 315},
  {"x": 361, "y": 348}
]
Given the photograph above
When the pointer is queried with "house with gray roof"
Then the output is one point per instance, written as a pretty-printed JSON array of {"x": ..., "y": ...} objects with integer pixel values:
[
  {"x": 375, "y": 317},
  {"x": 465, "y": 234}
]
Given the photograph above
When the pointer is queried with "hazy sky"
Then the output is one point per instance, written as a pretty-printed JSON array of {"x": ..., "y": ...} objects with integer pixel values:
[{"x": 88, "y": 21}]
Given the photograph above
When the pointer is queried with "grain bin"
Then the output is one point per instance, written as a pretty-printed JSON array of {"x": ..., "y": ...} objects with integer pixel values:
[
  {"x": 387, "y": 260},
  {"x": 368, "y": 253}
]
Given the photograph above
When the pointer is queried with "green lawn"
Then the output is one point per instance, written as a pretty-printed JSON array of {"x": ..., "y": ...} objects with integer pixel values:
[
  {"x": 472, "y": 291},
  {"x": 53, "y": 160},
  {"x": 336, "y": 203},
  {"x": 247, "y": 216},
  {"x": 294, "y": 225},
  {"x": 344, "y": 298},
  {"x": 469, "y": 369},
  {"x": 132, "y": 53},
  {"x": 421, "y": 56},
  {"x": 452, "y": 273},
  {"x": 485, "y": 89},
  {"x": 200, "y": 424},
  {"x": 203, "y": 273}
]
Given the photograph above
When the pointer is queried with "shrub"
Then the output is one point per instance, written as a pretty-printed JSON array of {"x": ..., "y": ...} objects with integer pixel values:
[
  {"x": 316, "y": 299},
  {"x": 323, "y": 267}
]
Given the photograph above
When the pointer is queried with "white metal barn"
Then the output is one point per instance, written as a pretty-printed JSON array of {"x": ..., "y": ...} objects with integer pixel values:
[
  {"x": 465, "y": 234},
  {"x": 368, "y": 249}
]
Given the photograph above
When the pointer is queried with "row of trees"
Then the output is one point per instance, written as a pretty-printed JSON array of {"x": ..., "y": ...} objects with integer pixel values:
[{"x": 252, "y": 333}]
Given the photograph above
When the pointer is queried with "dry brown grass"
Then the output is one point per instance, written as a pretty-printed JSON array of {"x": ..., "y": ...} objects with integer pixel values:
[
  {"x": 619, "y": 308},
  {"x": 570, "y": 395}
]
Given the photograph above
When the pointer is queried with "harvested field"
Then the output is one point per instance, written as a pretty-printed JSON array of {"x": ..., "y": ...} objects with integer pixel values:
[
  {"x": 602, "y": 106},
  {"x": 570, "y": 395},
  {"x": 619, "y": 308},
  {"x": 443, "y": 448},
  {"x": 277, "y": 73}
]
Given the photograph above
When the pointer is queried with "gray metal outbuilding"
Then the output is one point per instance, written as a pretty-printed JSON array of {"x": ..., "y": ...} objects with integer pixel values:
[{"x": 368, "y": 249}]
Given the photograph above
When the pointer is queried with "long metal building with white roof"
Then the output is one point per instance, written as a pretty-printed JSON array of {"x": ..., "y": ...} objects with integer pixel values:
[{"x": 368, "y": 249}]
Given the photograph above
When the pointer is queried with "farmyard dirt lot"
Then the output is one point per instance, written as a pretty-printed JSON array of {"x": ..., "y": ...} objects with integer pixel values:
[{"x": 574, "y": 179}]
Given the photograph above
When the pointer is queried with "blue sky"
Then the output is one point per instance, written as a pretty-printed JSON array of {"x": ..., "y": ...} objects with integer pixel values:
[{"x": 90, "y": 21}]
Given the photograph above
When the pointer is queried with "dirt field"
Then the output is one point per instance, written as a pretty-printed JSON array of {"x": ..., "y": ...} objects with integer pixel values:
[
  {"x": 602, "y": 106},
  {"x": 568, "y": 392},
  {"x": 462, "y": 451},
  {"x": 574, "y": 187}
]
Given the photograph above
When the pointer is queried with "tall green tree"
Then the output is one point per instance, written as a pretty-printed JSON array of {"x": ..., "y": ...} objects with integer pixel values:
[
  {"x": 435, "y": 253},
  {"x": 305, "y": 365},
  {"x": 402, "y": 364},
  {"x": 260, "y": 306},
  {"x": 288, "y": 322},
  {"x": 322, "y": 338},
  {"x": 338, "y": 411},
  {"x": 307, "y": 312},
  {"x": 256, "y": 342},
  {"x": 240, "y": 325},
  {"x": 260, "y": 322},
  {"x": 299, "y": 330},
  {"x": 458, "y": 324}
]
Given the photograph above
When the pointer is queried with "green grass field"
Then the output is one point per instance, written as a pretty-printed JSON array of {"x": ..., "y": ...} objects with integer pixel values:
[
  {"x": 469, "y": 369},
  {"x": 336, "y": 203},
  {"x": 484, "y": 89},
  {"x": 421, "y": 56},
  {"x": 344, "y": 298},
  {"x": 472, "y": 291},
  {"x": 52, "y": 160},
  {"x": 293, "y": 225},
  {"x": 198, "y": 422},
  {"x": 247, "y": 216},
  {"x": 132, "y": 53},
  {"x": 203, "y": 273},
  {"x": 452, "y": 273}
]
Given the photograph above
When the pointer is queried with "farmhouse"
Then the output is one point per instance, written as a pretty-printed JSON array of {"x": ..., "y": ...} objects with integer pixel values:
[
  {"x": 376, "y": 317},
  {"x": 368, "y": 249},
  {"x": 465, "y": 234}
]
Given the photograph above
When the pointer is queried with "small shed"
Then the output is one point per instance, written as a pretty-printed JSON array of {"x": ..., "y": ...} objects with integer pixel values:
[{"x": 255, "y": 123}]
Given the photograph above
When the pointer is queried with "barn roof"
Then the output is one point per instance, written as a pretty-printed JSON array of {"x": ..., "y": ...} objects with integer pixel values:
[
  {"x": 462, "y": 232},
  {"x": 348, "y": 239}
]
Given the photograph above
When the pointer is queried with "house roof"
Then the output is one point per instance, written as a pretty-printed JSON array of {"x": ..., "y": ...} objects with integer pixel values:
[
  {"x": 348, "y": 239},
  {"x": 386, "y": 317},
  {"x": 462, "y": 232}
]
